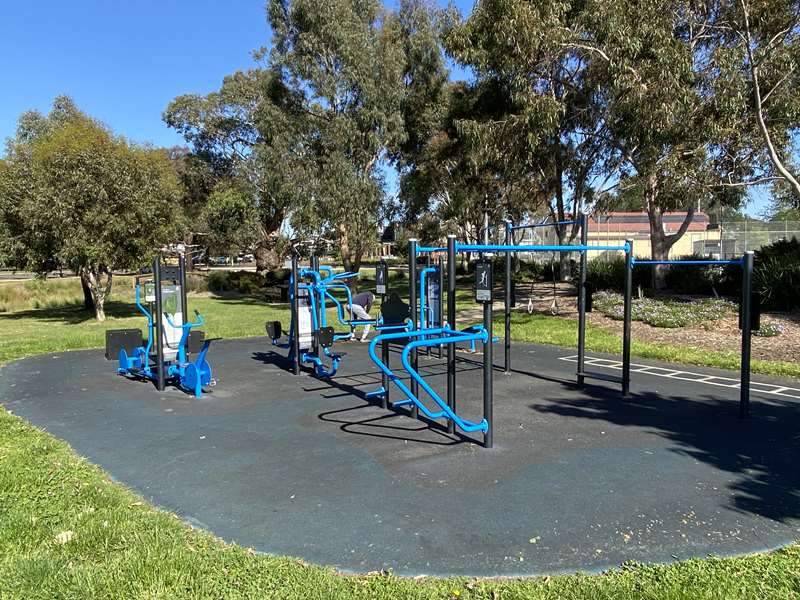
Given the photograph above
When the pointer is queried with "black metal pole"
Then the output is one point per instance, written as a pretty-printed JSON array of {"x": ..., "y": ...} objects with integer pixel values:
[
  {"x": 295, "y": 317},
  {"x": 428, "y": 304},
  {"x": 182, "y": 275},
  {"x": 507, "y": 305},
  {"x": 488, "y": 371},
  {"x": 440, "y": 320},
  {"x": 313, "y": 262},
  {"x": 451, "y": 323},
  {"x": 412, "y": 301},
  {"x": 746, "y": 307},
  {"x": 582, "y": 299},
  {"x": 626, "y": 322},
  {"x": 158, "y": 320},
  {"x": 384, "y": 344}
]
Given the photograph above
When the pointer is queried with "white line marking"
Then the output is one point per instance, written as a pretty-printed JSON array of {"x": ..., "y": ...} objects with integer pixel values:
[{"x": 716, "y": 380}]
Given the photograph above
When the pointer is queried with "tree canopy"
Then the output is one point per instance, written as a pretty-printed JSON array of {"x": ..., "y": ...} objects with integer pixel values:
[{"x": 75, "y": 195}]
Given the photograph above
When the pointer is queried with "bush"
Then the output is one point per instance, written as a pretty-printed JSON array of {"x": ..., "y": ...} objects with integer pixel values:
[
  {"x": 770, "y": 329},
  {"x": 244, "y": 282},
  {"x": 664, "y": 313},
  {"x": 609, "y": 274},
  {"x": 777, "y": 275}
]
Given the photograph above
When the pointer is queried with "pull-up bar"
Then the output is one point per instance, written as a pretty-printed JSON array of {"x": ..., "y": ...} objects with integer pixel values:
[
  {"x": 735, "y": 261},
  {"x": 551, "y": 224},
  {"x": 512, "y": 248}
]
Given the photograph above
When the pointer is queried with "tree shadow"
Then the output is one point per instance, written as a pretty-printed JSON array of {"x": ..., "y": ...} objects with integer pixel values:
[
  {"x": 350, "y": 385},
  {"x": 760, "y": 451},
  {"x": 73, "y": 314}
]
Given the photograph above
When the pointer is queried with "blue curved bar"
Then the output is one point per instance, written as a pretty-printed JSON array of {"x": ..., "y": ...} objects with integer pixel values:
[
  {"x": 463, "y": 424},
  {"x": 446, "y": 412},
  {"x": 428, "y": 249}
]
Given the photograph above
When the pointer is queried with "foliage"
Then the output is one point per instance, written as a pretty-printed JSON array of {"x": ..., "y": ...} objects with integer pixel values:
[
  {"x": 769, "y": 329},
  {"x": 243, "y": 282},
  {"x": 664, "y": 313},
  {"x": 608, "y": 273},
  {"x": 777, "y": 275},
  {"x": 231, "y": 219},
  {"x": 73, "y": 194},
  {"x": 251, "y": 132},
  {"x": 344, "y": 63}
]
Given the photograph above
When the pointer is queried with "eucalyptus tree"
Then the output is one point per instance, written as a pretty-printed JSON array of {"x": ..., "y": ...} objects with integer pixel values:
[
  {"x": 757, "y": 52},
  {"x": 74, "y": 194},
  {"x": 544, "y": 141},
  {"x": 345, "y": 59},
  {"x": 254, "y": 133}
]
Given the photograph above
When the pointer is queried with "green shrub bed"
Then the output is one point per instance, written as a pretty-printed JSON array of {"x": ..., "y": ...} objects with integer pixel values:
[{"x": 664, "y": 313}]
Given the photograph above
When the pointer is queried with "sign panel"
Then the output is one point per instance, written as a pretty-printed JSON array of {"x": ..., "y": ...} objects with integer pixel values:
[
  {"x": 381, "y": 278},
  {"x": 483, "y": 281},
  {"x": 433, "y": 299},
  {"x": 304, "y": 319}
]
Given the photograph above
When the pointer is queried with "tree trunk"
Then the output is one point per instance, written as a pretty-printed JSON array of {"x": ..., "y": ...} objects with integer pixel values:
[
  {"x": 267, "y": 257},
  {"x": 99, "y": 289},
  {"x": 88, "y": 302},
  {"x": 344, "y": 247},
  {"x": 660, "y": 241}
]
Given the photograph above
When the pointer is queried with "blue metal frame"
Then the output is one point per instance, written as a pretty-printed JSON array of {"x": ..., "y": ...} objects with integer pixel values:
[
  {"x": 323, "y": 281},
  {"x": 548, "y": 224},
  {"x": 512, "y": 248},
  {"x": 735, "y": 261},
  {"x": 450, "y": 336},
  {"x": 190, "y": 375}
]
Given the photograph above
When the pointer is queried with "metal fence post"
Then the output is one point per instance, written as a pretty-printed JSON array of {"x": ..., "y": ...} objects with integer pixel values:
[
  {"x": 507, "y": 304},
  {"x": 582, "y": 299}
]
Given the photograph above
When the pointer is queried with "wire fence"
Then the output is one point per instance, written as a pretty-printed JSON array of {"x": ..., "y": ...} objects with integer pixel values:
[{"x": 722, "y": 240}]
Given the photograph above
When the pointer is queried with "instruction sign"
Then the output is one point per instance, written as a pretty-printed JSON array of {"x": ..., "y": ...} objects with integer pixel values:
[
  {"x": 483, "y": 281},
  {"x": 381, "y": 278},
  {"x": 433, "y": 299}
]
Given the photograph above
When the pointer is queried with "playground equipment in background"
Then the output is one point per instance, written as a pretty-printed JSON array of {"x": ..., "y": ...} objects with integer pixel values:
[
  {"x": 310, "y": 338},
  {"x": 170, "y": 336}
]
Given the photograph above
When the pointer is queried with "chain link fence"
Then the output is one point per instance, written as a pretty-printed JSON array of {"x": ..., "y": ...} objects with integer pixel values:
[{"x": 720, "y": 240}]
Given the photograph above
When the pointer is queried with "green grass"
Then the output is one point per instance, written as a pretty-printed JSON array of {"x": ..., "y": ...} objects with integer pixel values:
[
  {"x": 560, "y": 331},
  {"x": 121, "y": 547}
]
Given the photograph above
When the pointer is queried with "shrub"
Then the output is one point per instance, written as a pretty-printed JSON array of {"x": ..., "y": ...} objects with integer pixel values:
[
  {"x": 769, "y": 329},
  {"x": 244, "y": 282},
  {"x": 664, "y": 313},
  {"x": 777, "y": 275}
]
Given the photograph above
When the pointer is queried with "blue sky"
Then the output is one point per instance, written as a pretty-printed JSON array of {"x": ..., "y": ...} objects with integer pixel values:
[{"x": 122, "y": 62}]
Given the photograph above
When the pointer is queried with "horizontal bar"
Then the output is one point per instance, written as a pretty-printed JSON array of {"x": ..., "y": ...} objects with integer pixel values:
[
  {"x": 509, "y": 248},
  {"x": 737, "y": 261},
  {"x": 600, "y": 376},
  {"x": 426, "y": 249},
  {"x": 552, "y": 224}
]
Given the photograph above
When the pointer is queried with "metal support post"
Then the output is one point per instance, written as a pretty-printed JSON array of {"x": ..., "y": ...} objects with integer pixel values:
[
  {"x": 451, "y": 323},
  {"x": 412, "y": 301},
  {"x": 746, "y": 307},
  {"x": 584, "y": 221},
  {"x": 626, "y": 321}
]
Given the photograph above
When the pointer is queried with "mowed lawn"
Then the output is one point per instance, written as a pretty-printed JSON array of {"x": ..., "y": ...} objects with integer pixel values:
[{"x": 68, "y": 531}]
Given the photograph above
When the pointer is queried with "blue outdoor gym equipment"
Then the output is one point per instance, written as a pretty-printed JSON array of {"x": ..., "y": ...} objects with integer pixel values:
[
  {"x": 310, "y": 338},
  {"x": 165, "y": 356}
]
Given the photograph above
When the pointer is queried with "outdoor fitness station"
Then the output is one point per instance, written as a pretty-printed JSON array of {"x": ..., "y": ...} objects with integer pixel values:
[
  {"x": 310, "y": 338},
  {"x": 171, "y": 339},
  {"x": 579, "y": 477},
  {"x": 415, "y": 330}
]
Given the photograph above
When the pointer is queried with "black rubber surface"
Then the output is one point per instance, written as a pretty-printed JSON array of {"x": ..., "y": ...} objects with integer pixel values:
[{"x": 578, "y": 479}]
